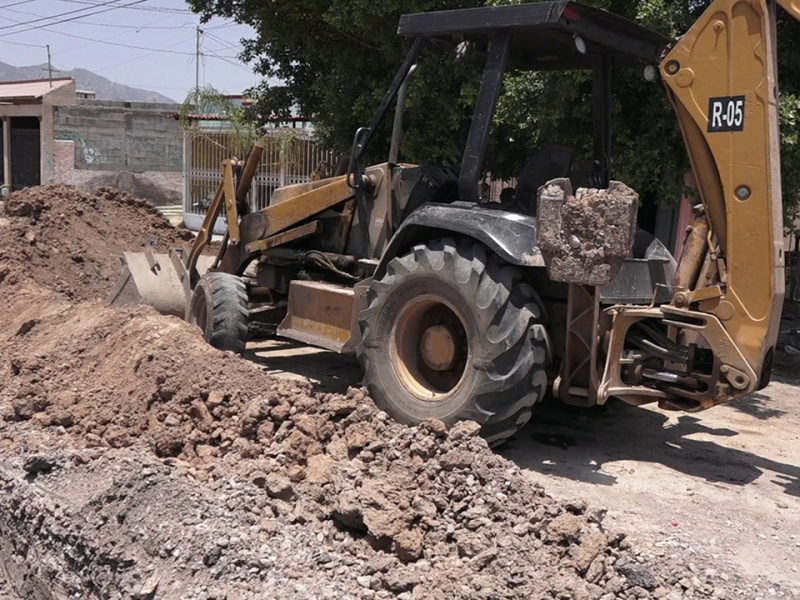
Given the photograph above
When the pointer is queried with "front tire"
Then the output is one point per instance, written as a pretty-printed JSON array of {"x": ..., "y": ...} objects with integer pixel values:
[
  {"x": 452, "y": 332},
  {"x": 220, "y": 308}
]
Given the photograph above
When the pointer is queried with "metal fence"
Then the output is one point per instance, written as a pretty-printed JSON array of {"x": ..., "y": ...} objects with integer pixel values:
[
  {"x": 287, "y": 160},
  {"x": 290, "y": 156},
  {"x": 492, "y": 188}
]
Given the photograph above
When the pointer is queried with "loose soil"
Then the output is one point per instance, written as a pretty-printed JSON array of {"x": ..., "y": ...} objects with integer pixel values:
[
  {"x": 723, "y": 484},
  {"x": 70, "y": 241},
  {"x": 138, "y": 462}
]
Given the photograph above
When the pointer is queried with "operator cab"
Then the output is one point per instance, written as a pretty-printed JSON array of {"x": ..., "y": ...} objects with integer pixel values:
[
  {"x": 543, "y": 36},
  {"x": 547, "y": 36}
]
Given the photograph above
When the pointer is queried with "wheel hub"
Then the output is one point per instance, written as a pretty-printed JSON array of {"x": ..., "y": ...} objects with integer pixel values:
[
  {"x": 438, "y": 347},
  {"x": 429, "y": 348}
]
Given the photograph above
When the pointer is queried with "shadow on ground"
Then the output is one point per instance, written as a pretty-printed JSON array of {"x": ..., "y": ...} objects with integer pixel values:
[
  {"x": 327, "y": 372},
  {"x": 757, "y": 405},
  {"x": 575, "y": 443},
  {"x": 786, "y": 369}
]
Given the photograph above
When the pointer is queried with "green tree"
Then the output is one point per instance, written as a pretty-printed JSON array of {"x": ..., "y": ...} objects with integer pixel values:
[
  {"x": 335, "y": 59},
  {"x": 542, "y": 107}
]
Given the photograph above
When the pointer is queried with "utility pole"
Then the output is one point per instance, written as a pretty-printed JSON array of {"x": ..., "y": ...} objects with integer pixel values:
[
  {"x": 49, "y": 66},
  {"x": 197, "y": 62}
]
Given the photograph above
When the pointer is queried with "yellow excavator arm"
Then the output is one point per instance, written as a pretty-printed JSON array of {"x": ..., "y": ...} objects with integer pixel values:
[
  {"x": 721, "y": 77},
  {"x": 792, "y": 7}
]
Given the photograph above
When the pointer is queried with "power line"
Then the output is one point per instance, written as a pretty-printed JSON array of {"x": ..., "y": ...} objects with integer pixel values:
[
  {"x": 236, "y": 61},
  {"x": 48, "y": 25},
  {"x": 94, "y": 41},
  {"x": 90, "y": 9},
  {"x": 22, "y": 44},
  {"x": 17, "y": 3},
  {"x": 224, "y": 43},
  {"x": 117, "y": 36},
  {"x": 120, "y": 45},
  {"x": 69, "y": 12},
  {"x": 165, "y": 49},
  {"x": 206, "y": 52},
  {"x": 176, "y": 11},
  {"x": 136, "y": 27},
  {"x": 117, "y": 44},
  {"x": 226, "y": 46},
  {"x": 223, "y": 26},
  {"x": 211, "y": 54}
]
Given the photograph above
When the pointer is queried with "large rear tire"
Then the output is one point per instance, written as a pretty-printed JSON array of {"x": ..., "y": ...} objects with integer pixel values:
[
  {"x": 220, "y": 309},
  {"x": 452, "y": 332}
]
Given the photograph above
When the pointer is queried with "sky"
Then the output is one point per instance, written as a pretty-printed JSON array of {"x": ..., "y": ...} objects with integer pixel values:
[{"x": 149, "y": 44}]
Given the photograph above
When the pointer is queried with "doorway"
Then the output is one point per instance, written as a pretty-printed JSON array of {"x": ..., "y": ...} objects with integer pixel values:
[{"x": 26, "y": 152}]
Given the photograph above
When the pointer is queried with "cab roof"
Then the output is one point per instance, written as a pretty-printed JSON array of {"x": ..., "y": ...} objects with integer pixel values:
[{"x": 543, "y": 34}]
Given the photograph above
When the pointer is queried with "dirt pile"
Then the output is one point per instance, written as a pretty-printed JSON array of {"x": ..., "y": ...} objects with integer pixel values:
[
  {"x": 158, "y": 458},
  {"x": 70, "y": 241}
]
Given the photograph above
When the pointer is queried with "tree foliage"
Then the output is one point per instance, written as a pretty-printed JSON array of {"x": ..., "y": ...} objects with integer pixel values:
[
  {"x": 332, "y": 60},
  {"x": 541, "y": 107},
  {"x": 208, "y": 101}
]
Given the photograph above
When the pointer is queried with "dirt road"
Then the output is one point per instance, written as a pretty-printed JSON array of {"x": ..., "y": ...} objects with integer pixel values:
[{"x": 723, "y": 484}]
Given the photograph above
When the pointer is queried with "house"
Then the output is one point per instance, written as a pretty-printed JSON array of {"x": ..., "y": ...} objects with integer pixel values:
[
  {"x": 27, "y": 110},
  {"x": 53, "y": 133}
]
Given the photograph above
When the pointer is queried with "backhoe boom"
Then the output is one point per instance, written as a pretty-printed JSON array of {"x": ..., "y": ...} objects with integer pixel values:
[{"x": 722, "y": 80}]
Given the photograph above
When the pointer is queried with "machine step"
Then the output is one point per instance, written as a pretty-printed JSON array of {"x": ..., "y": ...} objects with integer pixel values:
[{"x": 321, "y": 314}]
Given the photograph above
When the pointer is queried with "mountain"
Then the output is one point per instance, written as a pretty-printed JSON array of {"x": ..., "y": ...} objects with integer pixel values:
[{"x": 104, "y": 89}]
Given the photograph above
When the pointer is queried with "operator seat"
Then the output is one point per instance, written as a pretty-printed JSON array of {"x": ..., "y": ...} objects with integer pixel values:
[{"x": 549, "y": 162}]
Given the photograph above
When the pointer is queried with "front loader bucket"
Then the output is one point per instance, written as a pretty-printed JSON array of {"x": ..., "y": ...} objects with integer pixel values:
[{"x": 156, "y": 280}]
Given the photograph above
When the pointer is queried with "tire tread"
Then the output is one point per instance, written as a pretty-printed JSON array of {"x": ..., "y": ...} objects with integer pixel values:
[
  {"x": 227, "y": 302},
  {"x": 517, "y": 347}
]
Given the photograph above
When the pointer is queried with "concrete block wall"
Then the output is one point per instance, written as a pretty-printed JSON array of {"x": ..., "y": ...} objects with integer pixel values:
[{"x": 135, "y": 147}]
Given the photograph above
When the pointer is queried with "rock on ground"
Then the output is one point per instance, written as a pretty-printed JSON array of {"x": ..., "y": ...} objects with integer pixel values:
[{"x": 135, "y": 455}]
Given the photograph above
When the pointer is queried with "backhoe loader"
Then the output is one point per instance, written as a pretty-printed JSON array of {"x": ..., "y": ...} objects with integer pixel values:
[{"x": 461, "y": 309}]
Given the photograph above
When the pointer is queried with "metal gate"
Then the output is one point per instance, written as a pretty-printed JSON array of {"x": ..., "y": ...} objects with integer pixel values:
[{"x": 290, "y": 156}]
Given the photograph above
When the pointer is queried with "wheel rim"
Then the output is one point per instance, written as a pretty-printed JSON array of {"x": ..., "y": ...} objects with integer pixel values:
[{"x": 429, "y": 348}]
